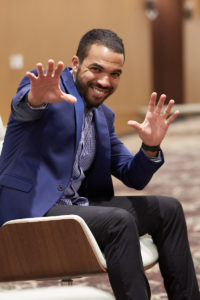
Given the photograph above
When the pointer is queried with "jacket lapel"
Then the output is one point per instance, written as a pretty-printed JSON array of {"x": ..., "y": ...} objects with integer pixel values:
[
  {"x": 69, "y": 86},
  {"x": 99, "y": 180},
  {"x": 102, "y": 139}
]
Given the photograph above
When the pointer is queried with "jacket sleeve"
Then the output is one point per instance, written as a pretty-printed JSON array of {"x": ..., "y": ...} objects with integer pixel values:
[
  {"x": 133, "y": 170},
  {"x": 20, "y": 110}
]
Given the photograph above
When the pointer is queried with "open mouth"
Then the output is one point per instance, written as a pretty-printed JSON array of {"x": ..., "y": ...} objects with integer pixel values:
[{"x": 101, "y": 92}]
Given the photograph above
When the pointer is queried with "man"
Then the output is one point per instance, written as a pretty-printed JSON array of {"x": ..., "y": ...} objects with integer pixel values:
[{"x": 60, "y": 151}]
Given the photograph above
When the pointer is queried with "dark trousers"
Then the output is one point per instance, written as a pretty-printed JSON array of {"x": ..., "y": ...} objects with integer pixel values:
[{"x": 118, "y": 222}]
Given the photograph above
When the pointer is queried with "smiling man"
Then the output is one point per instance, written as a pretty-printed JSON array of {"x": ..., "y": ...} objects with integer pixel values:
[{"x": 61, "y": 149}]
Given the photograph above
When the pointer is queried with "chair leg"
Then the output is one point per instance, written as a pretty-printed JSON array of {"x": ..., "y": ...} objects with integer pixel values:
[{"x": 66, "y": 281}]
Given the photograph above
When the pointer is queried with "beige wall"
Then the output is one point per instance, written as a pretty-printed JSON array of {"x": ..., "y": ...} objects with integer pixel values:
[
  {"x": 43, "y": 29},
  {"x": 192, "y": 55}
]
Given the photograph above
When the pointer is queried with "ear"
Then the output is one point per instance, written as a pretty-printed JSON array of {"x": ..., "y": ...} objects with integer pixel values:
[{"x": 75, "y": 63}]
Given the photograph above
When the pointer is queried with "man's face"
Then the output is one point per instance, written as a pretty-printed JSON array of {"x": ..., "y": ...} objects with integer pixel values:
[{"x": 97, "y": 77}]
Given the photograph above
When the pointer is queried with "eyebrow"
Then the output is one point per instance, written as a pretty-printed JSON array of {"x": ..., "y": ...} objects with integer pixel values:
[{"x": 100, "y": 67}]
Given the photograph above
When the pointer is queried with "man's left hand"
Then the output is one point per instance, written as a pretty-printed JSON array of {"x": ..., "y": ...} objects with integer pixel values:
[{"x": 155, "y": 125}]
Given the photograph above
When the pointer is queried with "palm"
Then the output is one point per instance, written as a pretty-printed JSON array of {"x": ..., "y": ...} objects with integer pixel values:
[
  {"x": 155, "y": 125},
  {"x": 45, "y": 87}
]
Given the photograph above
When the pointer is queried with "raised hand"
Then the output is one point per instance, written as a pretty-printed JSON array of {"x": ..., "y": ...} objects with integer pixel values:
[
  {"x": 155, "y": 125},
  {"x": 45, "y": 87}
]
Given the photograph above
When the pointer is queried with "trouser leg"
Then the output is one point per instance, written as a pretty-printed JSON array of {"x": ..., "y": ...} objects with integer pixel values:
[
  {"x": 175, "y": 258},
  {"x": 116, "y": 233},
  {"x": 163, "y": 218}
]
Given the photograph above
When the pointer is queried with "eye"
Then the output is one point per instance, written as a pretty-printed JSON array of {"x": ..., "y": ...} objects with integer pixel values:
[
  {"x": 115, "y": 75},
  {"x": 95, "y": 69}
]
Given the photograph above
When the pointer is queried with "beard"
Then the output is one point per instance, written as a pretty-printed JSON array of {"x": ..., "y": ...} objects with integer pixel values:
[{"x": 83, "y": 89}]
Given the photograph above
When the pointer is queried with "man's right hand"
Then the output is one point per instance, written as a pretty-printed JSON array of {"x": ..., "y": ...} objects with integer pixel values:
[{"x": 45, "y": 87}]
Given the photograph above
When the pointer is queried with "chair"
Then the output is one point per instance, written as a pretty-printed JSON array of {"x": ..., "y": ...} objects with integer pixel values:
[
  {"x": 57, "y": 293},
  {"x": 60, "y": 247},
  {"x": 2, "y": 134}
]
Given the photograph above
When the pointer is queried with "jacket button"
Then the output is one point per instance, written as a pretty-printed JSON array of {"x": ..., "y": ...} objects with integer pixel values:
[{"x": 60, "y": 187}]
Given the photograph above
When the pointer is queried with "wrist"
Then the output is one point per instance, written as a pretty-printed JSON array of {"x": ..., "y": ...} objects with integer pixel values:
[
  {"x": 151, "y": 151},
  {"x": 150, "y": 148},
  {"x": 42, "y": 106},
  {"x": 32, "y": 105}
]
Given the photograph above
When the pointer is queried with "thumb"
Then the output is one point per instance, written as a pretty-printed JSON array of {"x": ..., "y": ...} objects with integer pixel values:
[
  {"x": 134, "y": 124},
  {"x": 69, "y": 98}
]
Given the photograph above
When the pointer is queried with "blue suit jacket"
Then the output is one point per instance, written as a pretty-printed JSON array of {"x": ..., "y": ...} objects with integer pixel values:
[{"x": 39, "y": 150}]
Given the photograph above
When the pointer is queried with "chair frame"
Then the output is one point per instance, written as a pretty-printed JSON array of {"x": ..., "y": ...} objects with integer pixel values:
[{"x": 60, "y": 247}]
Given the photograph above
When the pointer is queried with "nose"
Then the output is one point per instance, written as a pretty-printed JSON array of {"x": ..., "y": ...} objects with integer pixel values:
[{"x": 104, "y": 80}]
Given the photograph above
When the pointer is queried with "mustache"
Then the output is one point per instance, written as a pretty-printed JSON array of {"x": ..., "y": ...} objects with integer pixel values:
[{"x": 106, "y": 88}]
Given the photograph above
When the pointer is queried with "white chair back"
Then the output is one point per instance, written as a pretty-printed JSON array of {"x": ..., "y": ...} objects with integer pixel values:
[{"x": 2, "y": 134}]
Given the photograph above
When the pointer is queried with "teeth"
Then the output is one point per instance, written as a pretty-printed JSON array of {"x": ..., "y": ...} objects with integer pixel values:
[{"x": 99, "y": 92}]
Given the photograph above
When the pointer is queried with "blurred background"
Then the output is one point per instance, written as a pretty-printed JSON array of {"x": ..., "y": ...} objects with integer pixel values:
[
  {"x": 162, "y": 44},
  {"x": 161, "y": 40}
]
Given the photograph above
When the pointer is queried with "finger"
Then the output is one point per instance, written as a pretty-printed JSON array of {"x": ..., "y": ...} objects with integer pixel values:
[
  {"x": 31, "y": 76},
  {"x": 59, "y": 69},
  {"x": 160, "y": 104},
  {"x": 40, "y": 70},
  {"x": 172, "y": 117},
  {"x": 152, "y": 102},
  {"x": 168, "y": 108},
  {"x": 68, "y": 98},
  {"x": 134, "y": 125},
  {"x": 50, "y": 67}
]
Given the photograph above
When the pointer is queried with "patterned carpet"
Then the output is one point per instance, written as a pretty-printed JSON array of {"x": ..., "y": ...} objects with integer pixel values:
[{"x": 179, "y": 178}]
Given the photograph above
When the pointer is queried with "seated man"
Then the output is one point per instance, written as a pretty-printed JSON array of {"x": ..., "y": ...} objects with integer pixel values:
[{"x": 61, "y": 149}]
